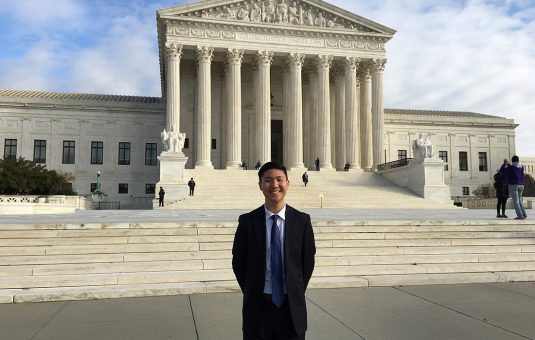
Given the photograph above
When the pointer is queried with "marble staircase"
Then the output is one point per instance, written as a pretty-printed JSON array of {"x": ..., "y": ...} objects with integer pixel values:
[
  {"x": 53, "y": 262},
  {"x": 238, "y": 189}
]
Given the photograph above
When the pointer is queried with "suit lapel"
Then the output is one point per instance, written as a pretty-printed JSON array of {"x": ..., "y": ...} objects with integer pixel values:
[
  {"x": 260, "y": 231},
  {"x": 289, "y": 227}
]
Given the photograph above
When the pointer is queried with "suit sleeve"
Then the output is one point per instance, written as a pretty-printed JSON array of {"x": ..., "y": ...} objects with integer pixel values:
[
  {"x": 239, "y": 253},
  {"x": 309, "y": 251}
]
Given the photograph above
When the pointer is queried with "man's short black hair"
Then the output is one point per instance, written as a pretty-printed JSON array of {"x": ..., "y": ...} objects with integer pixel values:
[
  {"x": 270, "y": 166},
  {"x": 515, "y": 158}
]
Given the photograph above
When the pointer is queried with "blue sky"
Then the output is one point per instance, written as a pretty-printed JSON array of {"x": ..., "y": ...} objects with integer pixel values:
[{"x": 470, "y": 55}]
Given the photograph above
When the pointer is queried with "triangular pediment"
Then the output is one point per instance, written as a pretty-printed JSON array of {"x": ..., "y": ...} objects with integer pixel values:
[{"x": 305, "y": 13}]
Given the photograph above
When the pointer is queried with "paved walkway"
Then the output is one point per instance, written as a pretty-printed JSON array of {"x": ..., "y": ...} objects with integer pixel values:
[
  {"x": 163, "y": 215},
  {"x": 449, "y": 312}
]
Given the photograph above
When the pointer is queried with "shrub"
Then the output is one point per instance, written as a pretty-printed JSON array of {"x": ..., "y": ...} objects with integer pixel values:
[{"x": 24, "y": 177}]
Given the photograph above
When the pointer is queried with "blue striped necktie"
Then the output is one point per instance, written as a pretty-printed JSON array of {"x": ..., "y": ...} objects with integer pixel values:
[{"x": 277, "y": 289}]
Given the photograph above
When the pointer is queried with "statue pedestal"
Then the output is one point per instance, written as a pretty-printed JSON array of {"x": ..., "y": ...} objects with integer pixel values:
[
  {"x": 172, "y": 180},
  {"x": 423, "y": 176},
  {"x": 426, "y": 178}
]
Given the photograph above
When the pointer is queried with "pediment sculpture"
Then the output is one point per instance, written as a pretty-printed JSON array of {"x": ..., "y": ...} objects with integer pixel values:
[{"x": 283, "y": 12}]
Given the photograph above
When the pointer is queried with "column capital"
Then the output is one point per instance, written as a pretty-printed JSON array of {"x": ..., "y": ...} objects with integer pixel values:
[
  {"x": 173, "y": 51},
  {"x": 378, "y": 65},
  {"x": 365, "y": 71},
  {"x": 205, "y": 54},
  {"x": 324, "y": 61},
  {"x": 234, "y": 56},
  {"x": 264, "y": 58},
  {"x": 296, "y": 60},
  {"x": 351, "y": 64}
]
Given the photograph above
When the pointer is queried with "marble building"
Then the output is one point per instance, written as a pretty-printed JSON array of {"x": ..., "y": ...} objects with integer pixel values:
[{"x": 250, "y": 81}]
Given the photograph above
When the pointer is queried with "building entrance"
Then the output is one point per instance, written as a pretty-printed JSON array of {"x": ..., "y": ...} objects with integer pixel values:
[{"x": 276, "y": 142}]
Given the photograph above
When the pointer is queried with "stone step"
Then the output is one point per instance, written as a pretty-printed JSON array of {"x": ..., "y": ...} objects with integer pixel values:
[
  {"x": 150, "y": 264},
  {"x": 122, "y": 291},
  {"x": 17, "y": 282}
]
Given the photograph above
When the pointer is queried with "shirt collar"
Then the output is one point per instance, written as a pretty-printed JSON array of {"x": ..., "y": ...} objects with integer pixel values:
[{"x": 281, "y": 213}]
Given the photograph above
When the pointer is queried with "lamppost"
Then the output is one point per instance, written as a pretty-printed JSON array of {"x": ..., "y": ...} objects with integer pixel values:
[
  {"x": 97, "y": 189},
  {"x": 321, "y": 200}
]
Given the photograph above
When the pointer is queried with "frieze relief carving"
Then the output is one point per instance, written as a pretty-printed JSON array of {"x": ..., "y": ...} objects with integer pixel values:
[
  {"x": 283, "y": 12},
  {"x": 277, "y": 39}
]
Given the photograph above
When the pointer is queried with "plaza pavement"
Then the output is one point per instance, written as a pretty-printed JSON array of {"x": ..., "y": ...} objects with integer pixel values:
[
  {"x": 164, "y": 215},
  {"x": 504, "y": 311}
]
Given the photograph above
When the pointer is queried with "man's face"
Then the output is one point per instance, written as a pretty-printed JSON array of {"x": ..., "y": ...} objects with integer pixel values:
[{"x": 274, "y": 186}]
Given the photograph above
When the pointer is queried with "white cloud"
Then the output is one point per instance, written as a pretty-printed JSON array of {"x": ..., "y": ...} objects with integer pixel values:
[{"x": 475, "y": 55}]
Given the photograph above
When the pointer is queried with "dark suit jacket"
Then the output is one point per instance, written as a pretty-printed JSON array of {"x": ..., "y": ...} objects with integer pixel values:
[{"x": 249, "y": 264}]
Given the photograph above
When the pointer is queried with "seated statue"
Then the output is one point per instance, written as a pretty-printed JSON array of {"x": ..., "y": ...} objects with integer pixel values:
[{"x": 422, "y": 147}]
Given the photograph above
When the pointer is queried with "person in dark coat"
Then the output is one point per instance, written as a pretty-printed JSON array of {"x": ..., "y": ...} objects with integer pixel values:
[
  {"x": 273, "y": 260},
  {"x": 161, "y": 195},
  {"x": 317, "y": 164},
  {"x": 305, "y": 178},
  {"x": 502, "y": 193},
  {"x": 191, "y": 185},
  {"x": 514, "y": 173}
]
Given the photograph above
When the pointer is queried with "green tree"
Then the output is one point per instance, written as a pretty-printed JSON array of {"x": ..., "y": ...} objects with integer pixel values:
[
  {"x": 529, "y": 186},
  {"x": 485, "y": 191},
  {"x": 24, "y": 177},
  {"x": 488, "y": 191}
]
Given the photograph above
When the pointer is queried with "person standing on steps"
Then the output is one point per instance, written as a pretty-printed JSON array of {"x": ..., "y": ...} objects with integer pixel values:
[
  {"x": 161, "y": 195},
  {"x": 191, "y": 185},
  {"x": 273, "y": 260},
  {"x": 502, "y": 193},
  {"x": 515, "y": 179},
  {"x": 305, "y": 178},
  {"x": 317, "y": 163}
]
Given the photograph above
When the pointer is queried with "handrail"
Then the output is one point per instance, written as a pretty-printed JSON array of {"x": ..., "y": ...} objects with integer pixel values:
[{"x": 394, "y": 164}]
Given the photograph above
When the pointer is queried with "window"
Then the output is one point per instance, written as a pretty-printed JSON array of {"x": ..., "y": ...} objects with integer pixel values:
[
  {"x": 97, "y": 152},
  {"x": 463, "y": 161},
  {"x": 68, "y": 152},
  {"x": 150, "y": 188},
  {"x": 151, "y": 151},
  {"x": 10, "y": 149},
  {"x": 444, "y": 156},
  {"x": 214, "y": 144},
  {"x": 39, "y": 151},
  {"x": 402, "y": 154},
  {"x": 124, "y": 153},
  {"x": 483, "y": 161},
  {"x": 186, "y": 143},
  {"x": 123, "y": 188},
  {"x": 466, "y": 191},
  {"x": 93, "y": 187}
]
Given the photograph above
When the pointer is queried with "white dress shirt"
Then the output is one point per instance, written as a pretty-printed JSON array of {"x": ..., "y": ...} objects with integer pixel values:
[{"x": 281, "y": 221}]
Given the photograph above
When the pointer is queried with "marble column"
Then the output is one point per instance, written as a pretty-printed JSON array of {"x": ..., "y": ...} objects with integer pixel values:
[
  {"x": 313, "y": 114},
  {"x": 234, "y": 104},
  {"x": 285, "y": 72},
  {"x": 332, "y": 118},
  {"x": 295, "y": 140},
  {"x": 339, "y": 122},
  {"x": 263, "y": 122},
  {"x": 352, "y": 110},
  {"x": 173, "y": 54},
  {"x": 366, "y": 118},
  {"x": 307, "y": 128},
  {"x": 378, "y": 112},
  {"x": 253, "y": 156},
  {"x": 324, "y": 109},
  {"x": 203, "y": 142}
]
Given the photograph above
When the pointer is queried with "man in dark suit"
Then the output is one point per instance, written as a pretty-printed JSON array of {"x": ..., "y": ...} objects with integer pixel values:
[{"x": 273, "y": 260}]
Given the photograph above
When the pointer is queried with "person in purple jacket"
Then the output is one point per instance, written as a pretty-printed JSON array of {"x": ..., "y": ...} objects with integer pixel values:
[{"x": 515, "y": 179}]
